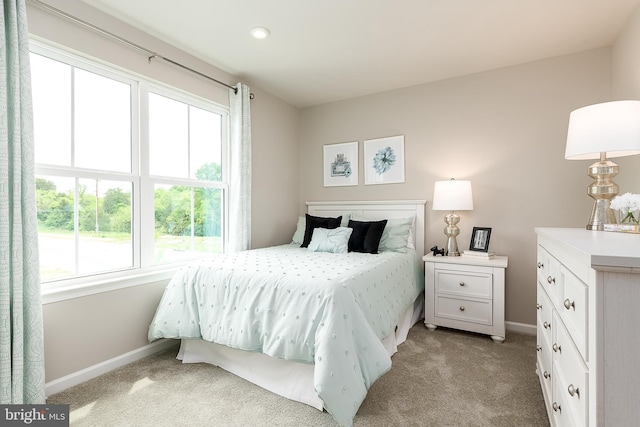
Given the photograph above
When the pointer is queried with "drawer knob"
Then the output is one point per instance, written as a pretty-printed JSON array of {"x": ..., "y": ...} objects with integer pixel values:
[
  {"x": 557, "y": 348},
  {"x": 540, "y": 265},
  {"x": 551, "y": 280},
  {"x": 538, "y": 348},
  {"x": 538, "y": 306},
  {"x": 547, "y": 325},
  {"x": 556, "y": 407},
  {"x": 546, "y": 374},
  {"x": 461, "y": 283},
  {"x": 568, "y": 304},
  {"x": 461, "y": 308},
  {"x": 573, "y": 391}
]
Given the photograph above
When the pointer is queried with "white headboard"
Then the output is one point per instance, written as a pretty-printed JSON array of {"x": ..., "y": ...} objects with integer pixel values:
[{"x": 377, "y": 210}]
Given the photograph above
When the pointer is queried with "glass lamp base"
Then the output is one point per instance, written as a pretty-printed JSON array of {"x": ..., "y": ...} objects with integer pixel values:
[{"x": 451, "y": 231}]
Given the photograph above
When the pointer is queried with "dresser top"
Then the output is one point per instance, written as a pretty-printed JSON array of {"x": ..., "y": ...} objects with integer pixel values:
[{"x": 603, "y": 248}]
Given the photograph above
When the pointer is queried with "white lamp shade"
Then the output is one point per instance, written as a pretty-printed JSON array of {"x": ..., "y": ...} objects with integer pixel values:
[
  {"x": 452, "y": 195},
  {"x": 611, "y": 127}
]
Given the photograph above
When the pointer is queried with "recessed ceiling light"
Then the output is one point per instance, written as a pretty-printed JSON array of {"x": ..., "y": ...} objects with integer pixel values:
[{"x": 259, "y": 32}]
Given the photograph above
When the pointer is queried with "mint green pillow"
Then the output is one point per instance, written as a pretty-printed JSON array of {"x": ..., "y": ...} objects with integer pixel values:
[
  {"x": 335, "y": 240},
  {"x": 395, "y": 237},
  {"x": 298, "y": 236}
]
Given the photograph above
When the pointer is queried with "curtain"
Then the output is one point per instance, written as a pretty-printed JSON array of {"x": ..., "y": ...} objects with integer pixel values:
[
  {"x": 21, "y": 330},
  {"x": 240, "y": 180}
]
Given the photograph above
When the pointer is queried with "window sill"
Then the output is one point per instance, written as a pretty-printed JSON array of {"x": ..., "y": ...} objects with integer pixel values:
[{"x": 93, "y": 287}]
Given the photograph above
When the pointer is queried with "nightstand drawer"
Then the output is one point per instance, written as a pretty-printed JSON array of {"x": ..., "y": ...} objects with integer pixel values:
[
  {"x": 466, "y": 310},
  {"x": 469, "y": 284}
]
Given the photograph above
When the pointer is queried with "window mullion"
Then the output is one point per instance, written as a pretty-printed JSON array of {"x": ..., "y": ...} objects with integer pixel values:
[
  {"x": 146, "y": 219},
  {"x": 136, "y": 155},
  {"x": 73, "y": 117}
]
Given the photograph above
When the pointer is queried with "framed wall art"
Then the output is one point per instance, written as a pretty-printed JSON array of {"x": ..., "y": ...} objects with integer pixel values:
[
  {"x": 384, "y": 160},
  {"x": 340, "y": 164}
]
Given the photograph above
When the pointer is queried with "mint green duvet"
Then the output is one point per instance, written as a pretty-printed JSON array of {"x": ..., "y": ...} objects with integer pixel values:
[{"x": 330, "y": 310}]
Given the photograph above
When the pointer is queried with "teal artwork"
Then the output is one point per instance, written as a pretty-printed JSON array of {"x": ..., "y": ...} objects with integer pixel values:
[{"x": 383, "y": 160}]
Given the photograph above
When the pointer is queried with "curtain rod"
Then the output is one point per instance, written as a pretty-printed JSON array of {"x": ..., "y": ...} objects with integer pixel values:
[{"x": 151, "y": 53}]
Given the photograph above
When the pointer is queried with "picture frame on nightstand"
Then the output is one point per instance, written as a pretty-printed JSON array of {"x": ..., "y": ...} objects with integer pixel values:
[{"x": 480, "y": 239}]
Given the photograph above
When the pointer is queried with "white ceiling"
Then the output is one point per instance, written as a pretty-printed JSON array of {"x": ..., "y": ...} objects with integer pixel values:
[{"x": 326, "y": 50}]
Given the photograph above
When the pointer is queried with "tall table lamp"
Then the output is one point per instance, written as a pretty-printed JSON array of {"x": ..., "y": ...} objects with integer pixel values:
[
  {"x": 452, "y": 196},
  {"x": 609, "y": 129}
]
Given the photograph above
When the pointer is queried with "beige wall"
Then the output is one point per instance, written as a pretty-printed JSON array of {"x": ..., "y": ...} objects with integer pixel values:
[
  {"x": 505, "y": 130},
  {"x": 82, "y": 332},
  {"x": 626, "y": 85}
]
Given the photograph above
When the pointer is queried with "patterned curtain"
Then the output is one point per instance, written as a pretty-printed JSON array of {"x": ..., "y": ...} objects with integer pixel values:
[
  {"x": 21, "y": 331},
  {"x": 240, "y": 181}
]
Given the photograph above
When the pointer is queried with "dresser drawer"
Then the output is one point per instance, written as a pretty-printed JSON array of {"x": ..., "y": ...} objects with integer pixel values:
[
  {"x": 545, "y": 314},
  {"x": 561, "y": 411},
  {"x": 464, "y": 283},
  {"x": 571, "y": 377},
  {"x": 548, "y": 274},
  {"x": 574, "y": 308},
  {"x": 544, "y": 360},
  {"x": 466, "y": 310},
  {"x": 543, "y": 342}
]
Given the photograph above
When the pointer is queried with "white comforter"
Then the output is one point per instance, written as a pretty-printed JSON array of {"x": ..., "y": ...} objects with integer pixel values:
[{"x": 330, "y": 310}]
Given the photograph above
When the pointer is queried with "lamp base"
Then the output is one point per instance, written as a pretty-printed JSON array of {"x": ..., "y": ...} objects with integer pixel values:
[
  {"x": 451, "y": 231},
  {"x": 602, "y": 190}
]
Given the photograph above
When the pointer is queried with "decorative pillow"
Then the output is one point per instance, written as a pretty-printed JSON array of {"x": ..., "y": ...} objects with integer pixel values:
[
  {"x": 366, "y": 235},
  {"x": 396, "y": 235},
  {"x": 411, "y": 240},
  {"x": 345, "y": 219},
  {"x": 317, "y": 222},
  {"x": 298, "y": 236},
  {"x": 335, "y": 240}
]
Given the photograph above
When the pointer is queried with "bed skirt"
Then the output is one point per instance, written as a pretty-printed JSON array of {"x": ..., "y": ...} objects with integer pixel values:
[{"x": 292, "y": 380}]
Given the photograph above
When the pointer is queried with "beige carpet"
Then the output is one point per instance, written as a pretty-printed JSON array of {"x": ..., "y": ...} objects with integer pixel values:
[{"x": 439, "y": 378}]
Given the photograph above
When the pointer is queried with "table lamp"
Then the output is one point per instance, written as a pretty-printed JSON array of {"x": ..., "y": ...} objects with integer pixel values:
[
  {"x": 609, "y": 129},
  {"x": 452, "y": 196}
]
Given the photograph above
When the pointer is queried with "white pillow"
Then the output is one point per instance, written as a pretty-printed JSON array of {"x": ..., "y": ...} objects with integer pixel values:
[
  {"x": 396, "y": 235},
  {"x": 335, "y": 240},
  {"x": 411, "y": 240},
  {"x": 298, "y": 236}
]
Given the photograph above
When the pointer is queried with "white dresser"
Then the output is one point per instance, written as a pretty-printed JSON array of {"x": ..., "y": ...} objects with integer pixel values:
[
  {"x": 588, "y": 326},
  {"x": 465, "y": 293}
]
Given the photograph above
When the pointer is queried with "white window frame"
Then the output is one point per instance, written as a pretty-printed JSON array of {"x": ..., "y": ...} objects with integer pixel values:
[{"x": 143, "y": 270}]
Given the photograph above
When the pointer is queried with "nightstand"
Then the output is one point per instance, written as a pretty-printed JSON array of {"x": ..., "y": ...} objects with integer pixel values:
[{"x": 465, "y": 293}]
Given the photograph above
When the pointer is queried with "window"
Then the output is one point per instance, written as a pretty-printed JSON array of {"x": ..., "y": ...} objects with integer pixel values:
[
  {"x": 130, "y": 175},
  {"x": 185, "y": 168}
]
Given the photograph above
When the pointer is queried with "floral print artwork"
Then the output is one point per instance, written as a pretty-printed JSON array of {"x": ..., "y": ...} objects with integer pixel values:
[{"x": 383, "y": 160}]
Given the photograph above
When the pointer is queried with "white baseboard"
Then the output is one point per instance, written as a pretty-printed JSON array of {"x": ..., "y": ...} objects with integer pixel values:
[
  {"x": 521, "y": 327},
  {"x": 94, "y": 371}
]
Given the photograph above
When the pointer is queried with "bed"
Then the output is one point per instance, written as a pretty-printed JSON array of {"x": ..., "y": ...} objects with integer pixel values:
[{"x": 316, "y": 324}]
